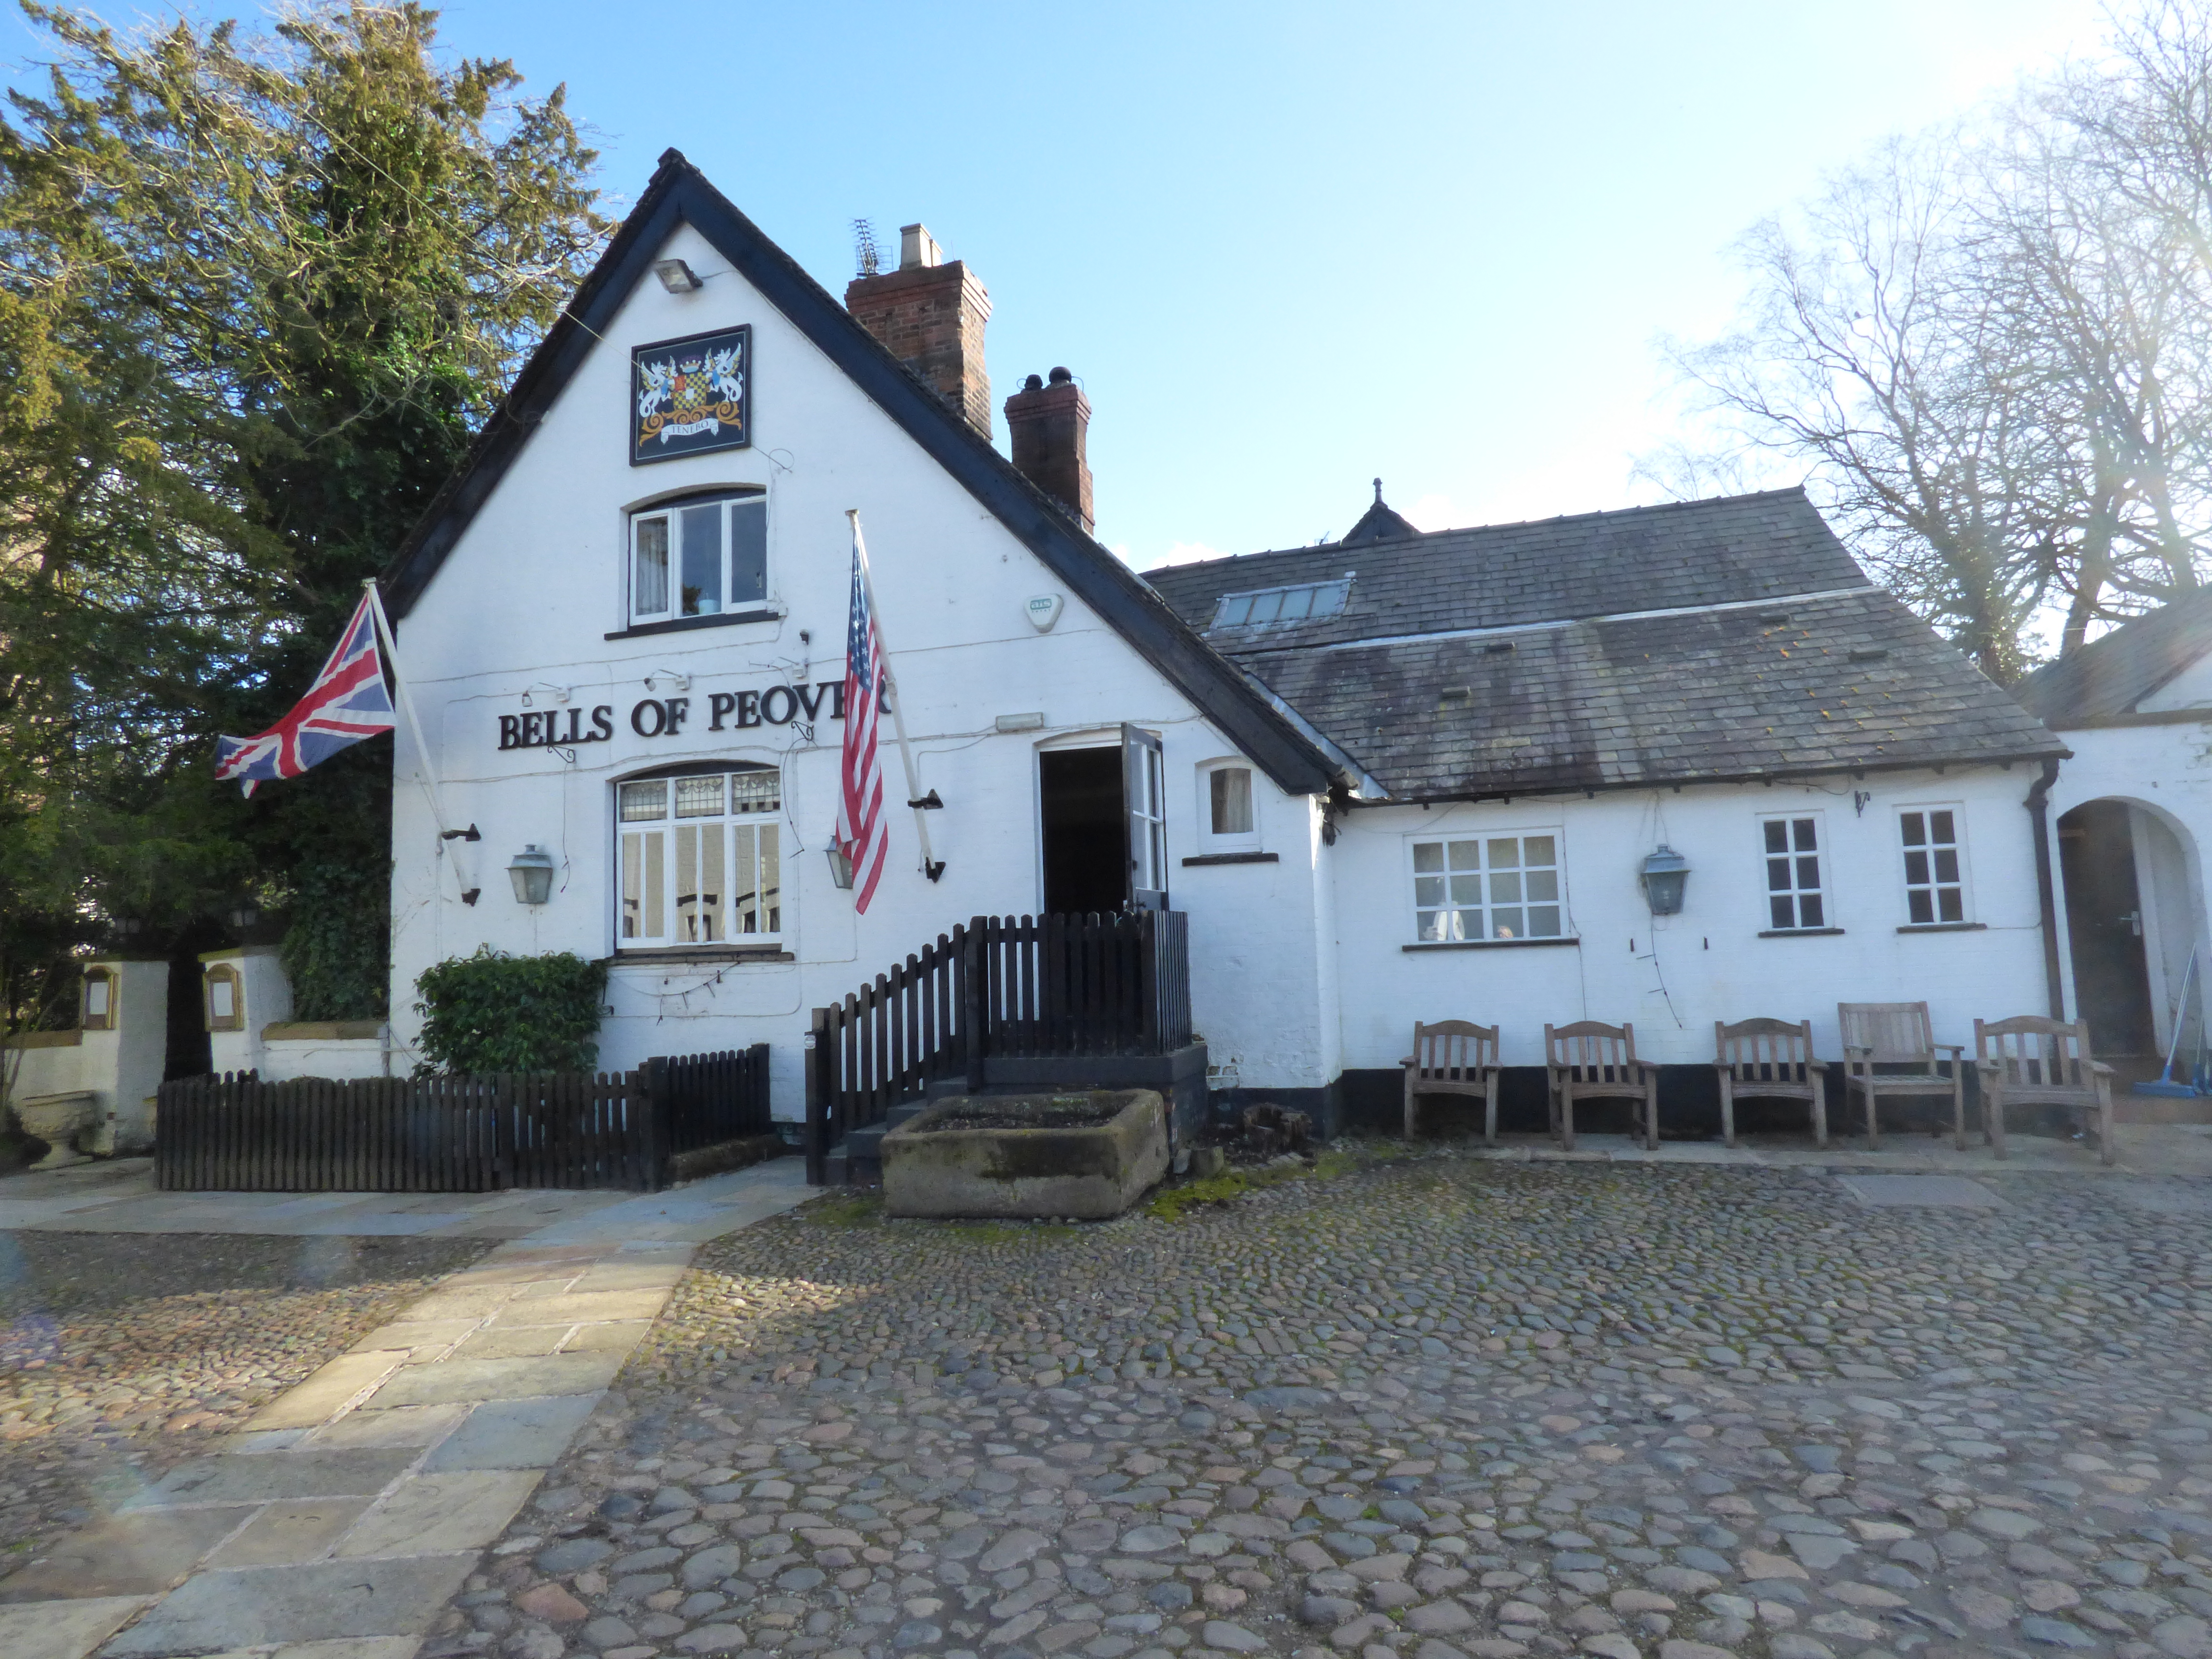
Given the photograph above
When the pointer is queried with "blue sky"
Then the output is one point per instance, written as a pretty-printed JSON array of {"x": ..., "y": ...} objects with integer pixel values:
[{"x": 1288, "y": 246}]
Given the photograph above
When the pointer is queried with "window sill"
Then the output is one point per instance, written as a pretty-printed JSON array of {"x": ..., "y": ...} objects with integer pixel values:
[
  {"x": 1944, "y": 928},
  {"x": 1232, "y": 858},
  {"x": 682, "y": 953},
  {"x": 1799, "y": 932},
  {"x": 684, "y": 624},
  {"x": 1489, "y": 944}
]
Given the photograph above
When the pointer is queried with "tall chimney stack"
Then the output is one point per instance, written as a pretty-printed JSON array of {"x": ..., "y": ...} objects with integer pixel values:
[
  {"x": 931, "y": 315},
  {"x": 1048, "y": 426}
]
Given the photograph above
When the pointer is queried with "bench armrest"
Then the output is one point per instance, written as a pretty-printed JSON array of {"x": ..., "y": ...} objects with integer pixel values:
[
  {"x": 2098, "y": 1068},
  {"x": 1953, "y": 1050},
  {"x": 1851, "y": 1048}
]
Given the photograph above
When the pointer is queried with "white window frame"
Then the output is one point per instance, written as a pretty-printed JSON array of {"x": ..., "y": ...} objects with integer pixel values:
[
  {"x": 668, "y": 514},
  {"x": 1792, "y": 856},
  {"x": 1483, "y": 871},
  {"x": 742, "y": 842},
  {"x": 1963, "y": 869},
  {"x": 1227, "y": 840}
]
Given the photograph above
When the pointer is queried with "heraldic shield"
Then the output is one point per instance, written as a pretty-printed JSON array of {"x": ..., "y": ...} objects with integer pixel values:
[{"x": 691, "y": 396}]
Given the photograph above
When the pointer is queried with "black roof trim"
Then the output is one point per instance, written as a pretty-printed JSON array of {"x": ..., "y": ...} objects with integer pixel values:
[{"x": 680, "y": 193}]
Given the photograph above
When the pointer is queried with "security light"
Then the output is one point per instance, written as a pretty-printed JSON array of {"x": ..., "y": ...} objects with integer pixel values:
[
  {"x": 675, "y": 277},
  {"x": 531, "y": 871}
]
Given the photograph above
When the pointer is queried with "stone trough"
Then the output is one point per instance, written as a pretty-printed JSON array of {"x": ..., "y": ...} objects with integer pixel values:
[{"x": 1084, "y": 1156}]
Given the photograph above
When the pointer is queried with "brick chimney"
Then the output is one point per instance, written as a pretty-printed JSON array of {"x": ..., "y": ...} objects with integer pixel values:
[
  {"x": 931, "y": 316},
  {"x": 1047, "y": 427}
]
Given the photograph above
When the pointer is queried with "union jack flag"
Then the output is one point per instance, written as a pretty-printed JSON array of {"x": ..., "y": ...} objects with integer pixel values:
[
  {"x": 863, "y": 833},
  {"x": 347, "y": 703}
]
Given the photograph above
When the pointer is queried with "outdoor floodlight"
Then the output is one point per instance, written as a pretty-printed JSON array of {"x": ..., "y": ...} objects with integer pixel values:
[
  {"x": 675, "y": 277},
  {"x": 1666, "y": 872},
  {"x": 531, "y": 872}
]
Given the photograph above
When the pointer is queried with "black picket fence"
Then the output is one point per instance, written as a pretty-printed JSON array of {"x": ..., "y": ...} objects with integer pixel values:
[{"x": 455, "y": 1134}]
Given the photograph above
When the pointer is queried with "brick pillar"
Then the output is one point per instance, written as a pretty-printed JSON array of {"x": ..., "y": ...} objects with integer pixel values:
[
  {"x": 1048, "y": 426},
  {"x": 930, "y": 316}
]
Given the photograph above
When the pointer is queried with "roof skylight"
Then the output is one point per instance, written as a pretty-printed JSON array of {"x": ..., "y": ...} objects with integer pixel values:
[{"x": 1265, "y": 607}]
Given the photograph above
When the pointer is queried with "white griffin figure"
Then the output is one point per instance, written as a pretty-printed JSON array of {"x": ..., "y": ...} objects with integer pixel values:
[
  {"x": 726, "y": 374},
  {"x": 659, "y": 385}
]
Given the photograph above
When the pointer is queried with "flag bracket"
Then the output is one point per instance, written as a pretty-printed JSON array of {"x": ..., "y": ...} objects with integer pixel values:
[
  {"x": 928, "y": 802},
  {"x": 933, "y": 868},
  {"x": 469, "y": 894},
  {"x": 469, "y": 834}
]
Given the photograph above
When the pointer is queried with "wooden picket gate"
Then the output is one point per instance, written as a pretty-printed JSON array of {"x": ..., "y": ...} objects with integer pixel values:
[{"x": 455, "y": 1134}]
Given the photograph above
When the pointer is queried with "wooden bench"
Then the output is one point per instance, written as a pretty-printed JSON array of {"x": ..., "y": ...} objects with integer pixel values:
[
  {"x": 1592, "y": 1061},
  {"x": 1453, "y": 1057},
  {"x": 1899, "y": 1034},
  {"x": 2033, "y": 1060},
  {"x": 1770, "y": 1058}
]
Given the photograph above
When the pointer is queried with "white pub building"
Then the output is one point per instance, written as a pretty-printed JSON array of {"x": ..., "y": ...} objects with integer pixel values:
[{"x": 1392, "y": 778}]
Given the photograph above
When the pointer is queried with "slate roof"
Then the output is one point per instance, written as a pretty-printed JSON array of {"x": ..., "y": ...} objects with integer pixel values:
[
  {"x": 2108, "y": 677},
  {"x": 679, "y": 193},
  {"x": 1749, "y": 671}
]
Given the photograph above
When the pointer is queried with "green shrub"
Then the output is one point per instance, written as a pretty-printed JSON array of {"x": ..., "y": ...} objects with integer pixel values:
[{"x": 495, "y": 1012}]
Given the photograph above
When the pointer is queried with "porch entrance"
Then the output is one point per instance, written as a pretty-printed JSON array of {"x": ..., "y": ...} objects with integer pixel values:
[
  {"x": 2132, "y": 913},
  {"x": 1100, "y": 820}
]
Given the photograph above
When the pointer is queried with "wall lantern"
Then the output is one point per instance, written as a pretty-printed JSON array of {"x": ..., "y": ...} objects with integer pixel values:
[
  {"x": 531, "y": 872},
  {"x": 1665, "y": 873},
  {"x": 840, "y": 869},
  {"x": 243, "y": 916}
]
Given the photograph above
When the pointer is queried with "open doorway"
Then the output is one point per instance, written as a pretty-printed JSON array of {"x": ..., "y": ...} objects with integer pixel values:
[
  {"x": 1085, "y": 833},
  {"x": 1101, "y": 812},
  {"x": 2105, "y": 918}
]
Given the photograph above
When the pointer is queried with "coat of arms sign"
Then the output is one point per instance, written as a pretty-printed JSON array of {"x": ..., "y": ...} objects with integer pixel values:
[{"x": 690, "y": 395}]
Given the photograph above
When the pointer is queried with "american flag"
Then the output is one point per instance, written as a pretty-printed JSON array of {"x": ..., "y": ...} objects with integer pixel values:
[
  {"x": 346, "y": 704},
  {"x": 863, "y": 833}
]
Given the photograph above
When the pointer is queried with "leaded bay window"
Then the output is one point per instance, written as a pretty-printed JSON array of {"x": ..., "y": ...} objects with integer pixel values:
[
  {"x": 1934, "y": 882},
  {"x": 1795, "y": 899},
  {"x": 706, "y": 556},
  {"x": 701, "y": 858},
  {"x": 1487, "y": 887}
]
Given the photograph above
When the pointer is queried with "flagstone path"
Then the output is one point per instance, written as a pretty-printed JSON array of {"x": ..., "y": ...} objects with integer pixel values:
[{"x": 347, "y": 1514}]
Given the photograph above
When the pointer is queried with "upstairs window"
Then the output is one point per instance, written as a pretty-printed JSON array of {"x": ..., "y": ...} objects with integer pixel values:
[
  {"x": 700, "y": 857},
  {"x": 705, "y": 556},
  {"x": 1934, "y": 876},
  {"x": 1794, "y": 896},
  {"x": 1282, "y": 606},
  {"x": 1487, "y": 887}
]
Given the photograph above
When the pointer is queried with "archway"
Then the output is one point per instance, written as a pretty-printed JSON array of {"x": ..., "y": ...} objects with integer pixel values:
[{"x": 2131, "y": 917}]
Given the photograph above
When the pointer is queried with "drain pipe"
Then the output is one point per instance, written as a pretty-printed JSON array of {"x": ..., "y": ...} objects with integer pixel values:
[{"x": 2038, "y": 815}]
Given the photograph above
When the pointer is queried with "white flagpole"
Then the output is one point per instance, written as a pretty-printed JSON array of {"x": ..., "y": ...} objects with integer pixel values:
[
  {"x": 427, "y": 771},
  {"x": 930, "y": 868}
]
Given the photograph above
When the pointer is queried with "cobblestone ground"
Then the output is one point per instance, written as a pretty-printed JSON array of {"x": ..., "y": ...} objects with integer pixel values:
[
  {"x": 1437, "y": 1408},
  {"x": 123, "y": 1353}
]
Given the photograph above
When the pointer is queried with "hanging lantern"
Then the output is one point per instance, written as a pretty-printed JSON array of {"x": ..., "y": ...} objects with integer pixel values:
[
  {"x": 531, "y": 871},
  {"x": 1666, "y": 872}
]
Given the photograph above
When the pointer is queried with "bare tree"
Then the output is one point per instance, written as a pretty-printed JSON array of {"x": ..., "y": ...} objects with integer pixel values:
[{"x": 1992, "y": 349}]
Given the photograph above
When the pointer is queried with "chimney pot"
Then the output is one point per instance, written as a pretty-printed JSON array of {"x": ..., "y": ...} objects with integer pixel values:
[
  {"x": 918, "y": 249},
  {"x": 1048, "y": 429}
]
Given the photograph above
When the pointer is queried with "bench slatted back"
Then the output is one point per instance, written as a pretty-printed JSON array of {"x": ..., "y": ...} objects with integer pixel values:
[
  {"x": 1898, "y": 1033},
  {"x": 2038, "y": 1056},
  {"x": 1592, "y": 1052},
  {"x": 1454, "y": 1051},
  {"x": 1764, "y": 1050}
]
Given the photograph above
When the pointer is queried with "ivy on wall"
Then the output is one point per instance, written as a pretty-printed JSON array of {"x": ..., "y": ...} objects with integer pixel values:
[
  {"x": 495, "y": 1012},
  {"x": 337, "y": 943}
]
